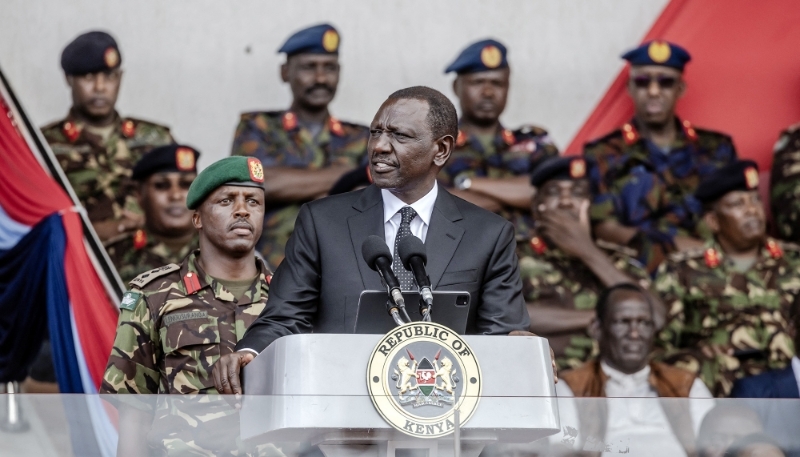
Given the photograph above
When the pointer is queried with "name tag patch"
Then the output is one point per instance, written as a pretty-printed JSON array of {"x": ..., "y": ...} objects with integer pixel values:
[{"x": 179, "y": 317}]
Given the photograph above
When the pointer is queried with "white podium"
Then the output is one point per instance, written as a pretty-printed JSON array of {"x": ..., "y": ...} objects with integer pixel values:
[{"x": 313, "y": 389}]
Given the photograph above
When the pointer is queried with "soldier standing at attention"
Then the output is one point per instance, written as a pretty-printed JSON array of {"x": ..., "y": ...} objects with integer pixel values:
[
  {"x": 304, "y": 149},
  {"x": 729, "y": 301},
  {"x": 785, "y": 184},
  {"x": 164, "y": 176},
  {"x": 490, "y": 164},
  {"x": 177, "y": 320},
  {"x": 645, "y": 173},
  {"x": 94, "y": 145},
  {"x": 563, "y": 271}
]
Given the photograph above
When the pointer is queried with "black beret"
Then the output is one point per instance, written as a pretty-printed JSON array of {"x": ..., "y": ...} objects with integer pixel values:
[
  {"x": 172, "y": 157},
  {"x": 319, "y": 39},
  {"x": 571, "y": 167},
  {"x": 739, "y": 175},
  {"x": 91, "y": 52}
]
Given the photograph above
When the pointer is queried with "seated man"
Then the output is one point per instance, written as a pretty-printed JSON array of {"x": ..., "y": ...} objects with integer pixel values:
[
  {"x": 625, "y": 331},
  {"x": 644, "y": 174},
  {"x": 784, "y": 185},
  {"x": 729, "y": 301},
  {"x": 164, "y": 176},
  {"x": 778, "y": 383},
  {"x": 561, "y": 267}
]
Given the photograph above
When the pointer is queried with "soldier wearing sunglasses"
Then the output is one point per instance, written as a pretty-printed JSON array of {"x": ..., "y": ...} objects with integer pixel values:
[{"x": 645, "y": 173}]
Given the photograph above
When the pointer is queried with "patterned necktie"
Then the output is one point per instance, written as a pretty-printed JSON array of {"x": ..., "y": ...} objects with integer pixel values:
[{"x": 404, "y": 277}]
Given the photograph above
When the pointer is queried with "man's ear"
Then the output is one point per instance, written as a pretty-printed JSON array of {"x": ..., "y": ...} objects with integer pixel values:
[
  {"x": 139, "y": 194},
  {"x": 595, "y": 329},
  {"x": 196, "y": 221},
  {"x": 285, "y": 71},
  {"x": 712, "y": 221},
  {"x": 69, "y": 79},
  {"x": 681, "y": 87},
  {"x": 444, "y": 146},
  {"x": 456, "y": 85}
]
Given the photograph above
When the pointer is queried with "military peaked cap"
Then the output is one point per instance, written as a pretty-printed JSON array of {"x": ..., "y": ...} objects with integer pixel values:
[
  {"x": 230, "y": 171},
  {"x": 739, "y": 175},
  {"x": 481, "y": 56},
  {"x": 659, "y": 53},
  {"x": 91, "y": 52}
]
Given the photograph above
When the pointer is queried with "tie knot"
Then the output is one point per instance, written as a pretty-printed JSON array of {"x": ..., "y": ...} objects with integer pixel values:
[{"x": 407, "y": 214}]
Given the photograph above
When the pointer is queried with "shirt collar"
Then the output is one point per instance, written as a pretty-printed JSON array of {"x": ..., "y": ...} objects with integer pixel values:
[
  {"x": 423, "y": 206},
  {"x": 640, "y": 376}
]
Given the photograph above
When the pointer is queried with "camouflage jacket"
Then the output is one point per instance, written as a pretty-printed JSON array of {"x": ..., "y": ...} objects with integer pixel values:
[
  {"x": 139, "y": 252},
  {"x": 638, "y": 185},
  {"x": 785, "y": 184},
  {"x": 511, "y": 154},
  {"x": 175, "y": 322},
  {"x": 553, "y": 278},
  {"x": 99, "y": 170},
  {"x": 278, "y": 140},
  {"x": 713, "y": 309}
]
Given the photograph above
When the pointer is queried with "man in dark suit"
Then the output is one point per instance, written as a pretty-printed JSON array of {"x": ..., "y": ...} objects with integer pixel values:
[
  {"x": 469, "y": 249},
  {"x": 783, "y": 383}
]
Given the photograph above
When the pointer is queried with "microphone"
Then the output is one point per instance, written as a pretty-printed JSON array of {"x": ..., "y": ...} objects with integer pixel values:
[
  {"x": 412, "y": 253},
  {"x": 378, "y": 256}
]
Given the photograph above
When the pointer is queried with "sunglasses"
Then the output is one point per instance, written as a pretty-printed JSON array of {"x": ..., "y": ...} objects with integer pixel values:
[{"x": 664, "y": 82}]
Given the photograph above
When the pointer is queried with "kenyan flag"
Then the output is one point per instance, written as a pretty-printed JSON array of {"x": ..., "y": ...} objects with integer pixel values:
[{"x": 426, "y": 377}]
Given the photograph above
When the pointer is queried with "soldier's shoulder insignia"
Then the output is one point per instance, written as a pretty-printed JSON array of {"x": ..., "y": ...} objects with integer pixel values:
[
  {"x": 616, "y": 248},
  {"x": 774, "y": 248},
  {"x": 147, "y": 277},
  {"x": 689, "y": 130},
  {"x": 130, "y": 299}
]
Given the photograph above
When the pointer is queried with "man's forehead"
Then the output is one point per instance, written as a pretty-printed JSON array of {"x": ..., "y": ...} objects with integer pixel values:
[
  {"x": 498, "y": 73},
  {"x": 403, "y": 111},
  {"x": 313, "y": 58},
  {"x": 654, "y": 70}
]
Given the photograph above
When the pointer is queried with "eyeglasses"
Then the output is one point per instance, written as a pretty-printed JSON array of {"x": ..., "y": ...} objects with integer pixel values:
[{"x": 664, "y": 82}]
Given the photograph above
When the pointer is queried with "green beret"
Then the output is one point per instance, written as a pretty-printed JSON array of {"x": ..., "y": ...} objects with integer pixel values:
[{"x": 230, "y": 171}]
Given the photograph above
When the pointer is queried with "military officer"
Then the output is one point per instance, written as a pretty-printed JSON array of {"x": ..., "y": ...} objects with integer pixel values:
[
  {"x": 562, "y": 269},
  {"x": 94, "y": 145},
  {"x": 644, "y": 174},
  {"x": 177, "y": 320},
  {"x": 305, "y": 150},
  {"x": 490, "y": 165},
  {"x": 728, "y": 302},
  {"x": 785, "y": 184},
  {"x": 168, "y": 236}
]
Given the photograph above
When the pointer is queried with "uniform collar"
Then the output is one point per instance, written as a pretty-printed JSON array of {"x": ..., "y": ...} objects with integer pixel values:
[
  {"x": 502, "y": 137},
  {"x": 770, "y": 250},
  {"x": 686, "y": 133},
  {"x": 194, "y": 279},
  {"x": 331, "y": 125},
  {"x": 73, "y": 129}
]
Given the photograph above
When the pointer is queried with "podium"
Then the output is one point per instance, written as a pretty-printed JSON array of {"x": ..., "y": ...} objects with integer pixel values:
[{"x": 312, "y": 388}]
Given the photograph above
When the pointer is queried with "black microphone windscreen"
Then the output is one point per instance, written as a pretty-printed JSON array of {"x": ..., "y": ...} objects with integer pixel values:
[
  {"x": 373, "y": 248},
  {"x": 409, "y": 247}
]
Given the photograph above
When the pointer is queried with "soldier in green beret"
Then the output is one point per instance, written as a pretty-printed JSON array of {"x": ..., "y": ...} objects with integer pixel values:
[
  {"x": 728, "y": 302},
  {"x": 94, "y": 145},
  {"x": 177, "y": 320}
]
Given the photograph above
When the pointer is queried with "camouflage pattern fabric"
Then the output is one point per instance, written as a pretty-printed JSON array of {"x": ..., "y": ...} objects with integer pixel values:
[
  {"x": 510, "y": 154},
  {"x": 785, "y": 185},
  {"x": 134, "y": 254},
  {"x": 637, "y": 184},
  {"x": 713, "y": 309},
  {"x": 278, "y": 140},
  {"x": 553, "y": 278},
  {"x": 99, "y": 169}
]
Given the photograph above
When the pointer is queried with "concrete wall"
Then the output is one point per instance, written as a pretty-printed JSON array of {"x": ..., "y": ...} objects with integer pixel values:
[{"x": 196, "y": 64}]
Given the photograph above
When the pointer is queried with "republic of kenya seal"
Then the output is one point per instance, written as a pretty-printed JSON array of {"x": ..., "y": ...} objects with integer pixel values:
[{"x": 419, "y": 374}]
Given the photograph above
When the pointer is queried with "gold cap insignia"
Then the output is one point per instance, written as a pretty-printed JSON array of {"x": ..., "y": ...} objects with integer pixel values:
[
  {"x": 184, "y": 159},
  {"x": 111, "y": 57},
  {"x": 330, "y": 40},
  {"x": 577, "y": 169},
  {"x": 491, "y": 56},
  {"x": 751, "y": 177},
  {"x": 659, "y": 51},
  {"x": 256, "y": 169}
]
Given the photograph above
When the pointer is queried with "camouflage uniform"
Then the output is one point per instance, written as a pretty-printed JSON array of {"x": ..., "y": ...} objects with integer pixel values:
[
  {"x": 175, "y": 323},
  {"x": 135, "y": 254},
  {"x": 554, "y": 278},
  {"x": 278, "y": 140},
  {"x": 712, "y": 307},
  {"x": 785, "y": 184},
  {"x": 99, "y": 171},
  {"x": 511, "y": 154},
  {"x": 638, "y": 185}
]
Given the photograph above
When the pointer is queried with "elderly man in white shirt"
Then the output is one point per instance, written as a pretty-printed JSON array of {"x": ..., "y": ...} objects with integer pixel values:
[{"x": 632, "y": 411}]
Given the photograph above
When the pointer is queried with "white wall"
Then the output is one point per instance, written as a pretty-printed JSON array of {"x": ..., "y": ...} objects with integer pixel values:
[{"x": 196, "y": 64}]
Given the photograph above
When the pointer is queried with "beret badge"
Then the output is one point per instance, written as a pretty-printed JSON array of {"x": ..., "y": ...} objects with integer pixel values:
[
  {"x": 491, "y": 56},
  {"x": 659, "y": 51}
]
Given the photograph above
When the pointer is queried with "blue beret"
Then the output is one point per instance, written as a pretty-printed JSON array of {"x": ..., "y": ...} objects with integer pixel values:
[
  {"x": 172, "y": 157},
  {"x": 658, "y": 53},
  {"x": 481, "y": 56},
  {"x": 319, "y": 39},
  {"x": 565, "y": 168},
  {"x": 739, "y": 175},
  {"x": 91, "y": 52}
]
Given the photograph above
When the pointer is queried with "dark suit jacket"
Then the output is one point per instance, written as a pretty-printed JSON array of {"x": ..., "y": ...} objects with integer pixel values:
[
  {"x": 772, "y": 384},
  {"x": 318, "y": 284}
]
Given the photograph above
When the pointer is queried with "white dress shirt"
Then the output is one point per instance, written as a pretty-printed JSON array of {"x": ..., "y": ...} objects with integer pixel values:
[
  {"x": 392, "y": 218},
  {"x": 796, "y": 369}
]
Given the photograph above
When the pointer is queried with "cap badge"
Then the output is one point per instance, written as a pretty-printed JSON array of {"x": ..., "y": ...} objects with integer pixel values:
[
  {"x": 659, "y": 51},
  {"x": 330, "y": 40},
  {"x": 751, "y": 177},
  {"x": 256, "y": 169},
  {"x": 184, "y": 159},
  {"x": 577, "y": 169},
  {"x": 491, "y": 56},
  {"x": 128, "y": 129},
  {"x": 111, "y": 57}
]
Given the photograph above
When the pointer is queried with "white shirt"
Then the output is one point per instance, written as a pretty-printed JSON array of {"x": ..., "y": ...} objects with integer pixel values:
[
  {"x": 637, "y": 422},
  {"x": 392, "y": 218},
  {"x": 796, "y": 369}
]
